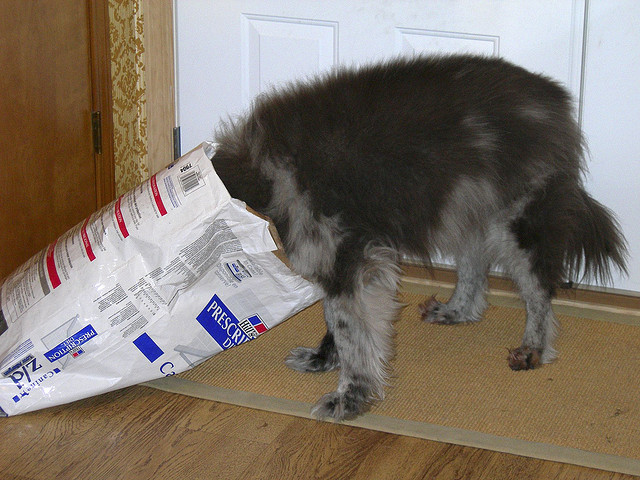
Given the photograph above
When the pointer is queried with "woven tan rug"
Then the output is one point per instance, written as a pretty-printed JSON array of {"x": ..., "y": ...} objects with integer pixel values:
[{"x": 452, "y": 384}]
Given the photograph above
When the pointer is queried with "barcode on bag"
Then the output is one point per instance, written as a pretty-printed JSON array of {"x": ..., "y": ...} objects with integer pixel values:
[{"x": 190, "y": 181}]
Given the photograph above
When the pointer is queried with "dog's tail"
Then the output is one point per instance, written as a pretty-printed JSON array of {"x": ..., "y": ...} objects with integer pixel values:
[{"x": 597, "y": 243}]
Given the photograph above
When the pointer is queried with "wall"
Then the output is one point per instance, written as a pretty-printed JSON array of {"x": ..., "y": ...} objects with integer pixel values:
[
  {"x": 142, "y": 73},
  {"x": 129, "y": 93}
]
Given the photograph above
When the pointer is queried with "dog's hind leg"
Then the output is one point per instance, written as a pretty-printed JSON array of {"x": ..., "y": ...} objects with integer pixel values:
[
  {"x": 541, "y": 325},
  {"x": 535, "y": 289},
  {"x": 362, "y": 319},
  {"x": 468, "y": 302}
]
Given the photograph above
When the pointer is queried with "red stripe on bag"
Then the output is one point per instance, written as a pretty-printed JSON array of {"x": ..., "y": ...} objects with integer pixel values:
[
  {"x": 85, "y": 241},
  {"x": 120, "y": 219},
  {"x": 51, "y": 267},
  {"x": 156, "y": 196}
]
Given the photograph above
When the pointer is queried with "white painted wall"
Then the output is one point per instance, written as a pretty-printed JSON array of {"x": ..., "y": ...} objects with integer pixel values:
[{"x": 229, "y": 51}]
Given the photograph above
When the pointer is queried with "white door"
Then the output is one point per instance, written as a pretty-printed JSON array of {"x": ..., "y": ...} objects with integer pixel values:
[{"x": 229, "y": 51}]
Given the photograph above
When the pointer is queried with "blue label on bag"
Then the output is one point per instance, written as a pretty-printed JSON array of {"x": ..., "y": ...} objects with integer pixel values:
[
  {"x": 71, "y": 344},
  {"x": 222, "y": 324},
  {"x": 148, "y": 347}
]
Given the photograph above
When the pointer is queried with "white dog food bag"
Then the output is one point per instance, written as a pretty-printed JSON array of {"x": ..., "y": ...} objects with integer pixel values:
[{"x": 163, "y": 278}]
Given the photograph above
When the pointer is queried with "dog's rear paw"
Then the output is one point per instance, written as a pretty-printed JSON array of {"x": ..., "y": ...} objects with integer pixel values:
[
  {"x": 433, "y": 311},
  {"x": 342, "y": 406},
  {"x": 427, "y": 308},
  {"x": 524, "y": 358},
  {"x": 303, "y": 359}
]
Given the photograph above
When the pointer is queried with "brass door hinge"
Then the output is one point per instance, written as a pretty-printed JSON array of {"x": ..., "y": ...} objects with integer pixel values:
[
  {"x": 96, "y": 130},
  {"x": 176, "y": 143}
]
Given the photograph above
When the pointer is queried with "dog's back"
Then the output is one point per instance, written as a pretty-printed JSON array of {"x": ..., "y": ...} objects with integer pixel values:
[
  {"x": 467, "y": 156},
  {"x": 407, "y": 135}
]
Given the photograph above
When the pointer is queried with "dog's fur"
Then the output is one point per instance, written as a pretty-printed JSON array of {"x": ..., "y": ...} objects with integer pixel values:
[{"x": 463, "y": 156}]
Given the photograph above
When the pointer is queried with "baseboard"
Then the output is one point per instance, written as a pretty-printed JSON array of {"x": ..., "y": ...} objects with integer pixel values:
[{"x": 589, "y": 302}]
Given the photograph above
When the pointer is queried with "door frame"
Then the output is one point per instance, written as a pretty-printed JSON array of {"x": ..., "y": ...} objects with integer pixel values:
[
  {"x": 101, "y": 99},
  {"x": 158, "y": 27}
]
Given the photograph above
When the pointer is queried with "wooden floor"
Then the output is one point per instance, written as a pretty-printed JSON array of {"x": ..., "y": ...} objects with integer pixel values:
[{"x": 142, "y": 433}]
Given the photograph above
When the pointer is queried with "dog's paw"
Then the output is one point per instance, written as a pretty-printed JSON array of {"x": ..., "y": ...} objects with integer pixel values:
[
  {"x": 342, "y": 406},
  {"x": 524, "y": 358},
  {"x": 427, "y": 308},
  {"x": 303, "y": 359},
  {"x": 433, "y": 311}
]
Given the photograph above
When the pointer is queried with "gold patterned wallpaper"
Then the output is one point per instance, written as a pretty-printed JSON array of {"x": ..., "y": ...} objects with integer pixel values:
[{"x": 126, "y": 30}]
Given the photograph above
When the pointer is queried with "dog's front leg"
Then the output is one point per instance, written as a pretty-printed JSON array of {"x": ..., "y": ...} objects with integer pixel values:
[
  {"x": 362, "y": 333},
  {"x": 363, "y": 353},
  {"x": 321, "y": 359}
]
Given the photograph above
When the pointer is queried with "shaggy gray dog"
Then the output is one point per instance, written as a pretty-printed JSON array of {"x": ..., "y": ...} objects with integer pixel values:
[{"x": 469, "y": 157}]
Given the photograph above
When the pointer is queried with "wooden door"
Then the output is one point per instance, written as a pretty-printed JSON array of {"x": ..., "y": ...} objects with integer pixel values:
[{"x": 54, "y": 74}]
